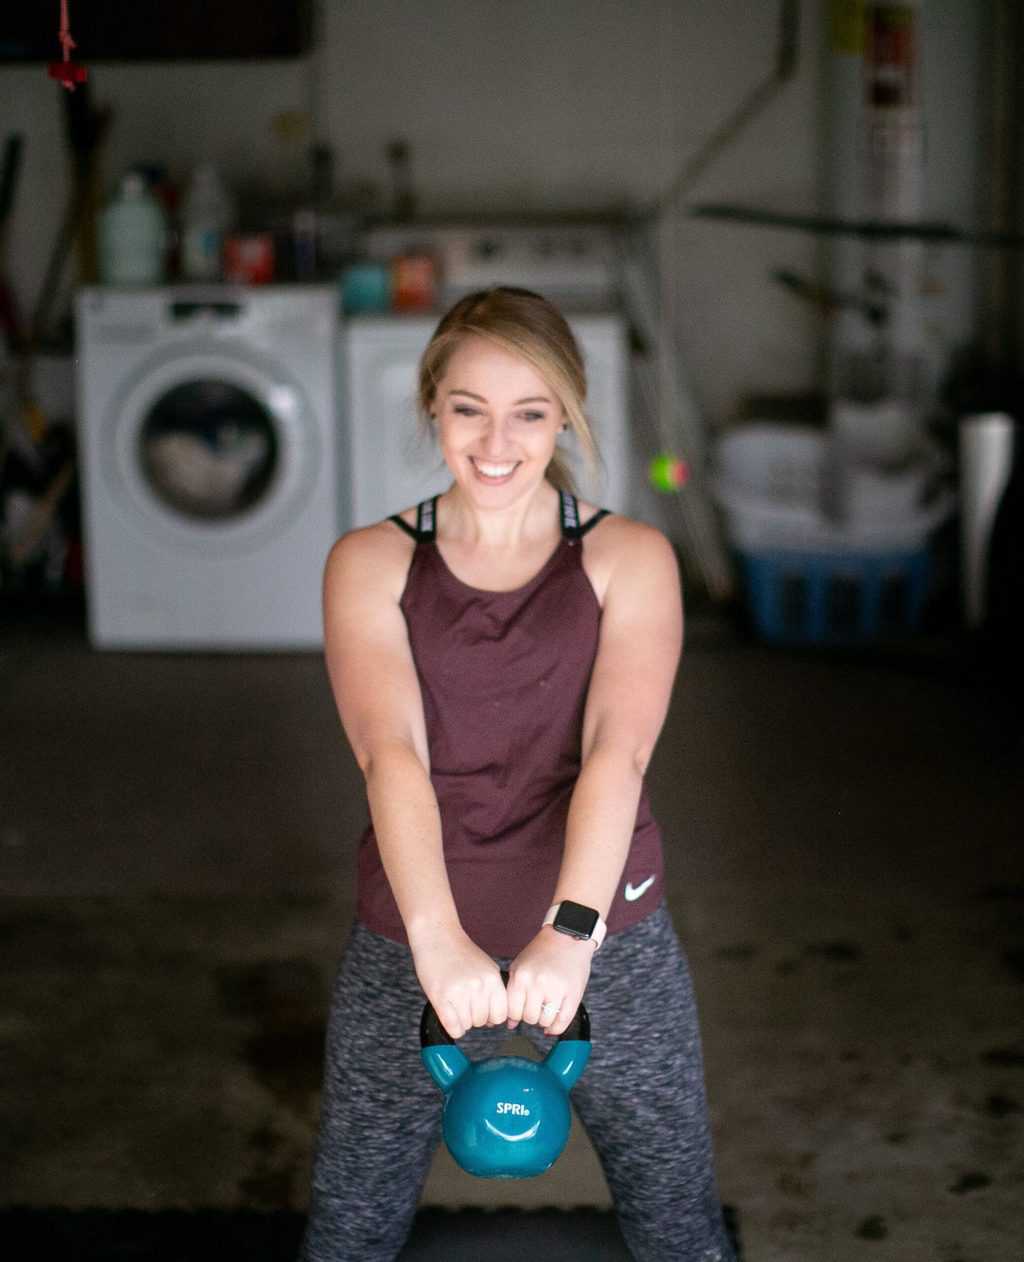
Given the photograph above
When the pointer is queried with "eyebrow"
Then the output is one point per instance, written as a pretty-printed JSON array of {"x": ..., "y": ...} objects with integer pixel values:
[{"x": 537, "y": 398}]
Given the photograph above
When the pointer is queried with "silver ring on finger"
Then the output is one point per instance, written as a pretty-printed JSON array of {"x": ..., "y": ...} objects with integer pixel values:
[{"x": 549, "y": 1010}]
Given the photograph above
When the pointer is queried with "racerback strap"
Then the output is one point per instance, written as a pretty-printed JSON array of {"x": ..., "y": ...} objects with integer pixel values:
[
  {"x": 426, "y": 516},
  {"x": 426, "y": 519},
  {"x": 571, "y": 528}
]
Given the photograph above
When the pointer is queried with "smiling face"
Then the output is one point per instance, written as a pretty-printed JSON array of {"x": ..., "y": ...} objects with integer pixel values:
[{"x": 497, "y": 421}]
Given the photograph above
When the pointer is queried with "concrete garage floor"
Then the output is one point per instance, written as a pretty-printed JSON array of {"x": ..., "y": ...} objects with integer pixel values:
[{"x": 845, "y": 872}]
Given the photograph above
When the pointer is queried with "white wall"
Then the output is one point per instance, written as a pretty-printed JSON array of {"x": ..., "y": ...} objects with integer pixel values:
[{"x": 540, "y": 104}]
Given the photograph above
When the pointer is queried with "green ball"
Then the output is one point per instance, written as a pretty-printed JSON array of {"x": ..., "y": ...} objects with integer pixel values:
[{"x": 667, "y": 472}]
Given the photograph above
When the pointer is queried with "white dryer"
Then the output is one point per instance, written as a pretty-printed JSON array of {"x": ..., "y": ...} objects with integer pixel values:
[
  {"x": 393, "y": 468},
  {"x": 211, "y": 487}
]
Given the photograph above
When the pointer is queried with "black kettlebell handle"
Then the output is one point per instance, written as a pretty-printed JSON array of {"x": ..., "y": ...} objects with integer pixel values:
[{"x": 433, "y": 1033}]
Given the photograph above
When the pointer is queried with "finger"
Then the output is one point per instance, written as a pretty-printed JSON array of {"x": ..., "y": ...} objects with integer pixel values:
[
  {"x": 560, "y": 1023},
  {"x": 477, "y": 1008},
  {"x": 465, "y": 1009},
  {"x": 499, "y": 1005},
  {"x": 451, "y": 1020},
  {"x": 515, "y": 997},
  {"x": 550, "y": 1014},
  {"x": 531, "y": 1009}
]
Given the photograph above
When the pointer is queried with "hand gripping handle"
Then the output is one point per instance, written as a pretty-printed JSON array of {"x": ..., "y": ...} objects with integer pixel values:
[{"x": 433, "y": 1033}]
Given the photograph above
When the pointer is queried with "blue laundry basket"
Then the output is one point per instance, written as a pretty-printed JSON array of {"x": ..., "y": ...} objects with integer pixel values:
[
  {"x": 835, "y": 598},
  {"x": 806, "y": 578}
]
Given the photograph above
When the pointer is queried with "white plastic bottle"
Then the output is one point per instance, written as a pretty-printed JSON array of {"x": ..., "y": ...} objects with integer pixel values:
[
  {"x": 208, "y": 215},
  {"x": 133, "y": 235}
]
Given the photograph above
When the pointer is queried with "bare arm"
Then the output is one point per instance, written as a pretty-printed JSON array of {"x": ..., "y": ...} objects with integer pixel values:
[
  {"x": 377, "y": 690},
  {"x": 630, "y": 687}
]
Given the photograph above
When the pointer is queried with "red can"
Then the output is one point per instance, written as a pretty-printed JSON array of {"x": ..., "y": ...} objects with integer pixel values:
[
  {"x": 249, "y": 258},
  {"x": 413, "y": 282}
]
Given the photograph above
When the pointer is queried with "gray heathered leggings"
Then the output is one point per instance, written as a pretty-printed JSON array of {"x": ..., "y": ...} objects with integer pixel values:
[{"x": 641, "y": 1099}]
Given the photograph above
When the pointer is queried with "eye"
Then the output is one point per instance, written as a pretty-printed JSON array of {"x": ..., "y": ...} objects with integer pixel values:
[
  {"x": 532, "y": 416},
  {"x": 463, "y": 409}
]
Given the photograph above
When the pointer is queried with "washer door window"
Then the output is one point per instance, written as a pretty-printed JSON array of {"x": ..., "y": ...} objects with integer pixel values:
[
  {"x": 209, "y": 449},
  {"x": 212, "y": 451}
]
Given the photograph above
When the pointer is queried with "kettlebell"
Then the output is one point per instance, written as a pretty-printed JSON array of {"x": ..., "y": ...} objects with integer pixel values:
[{"x": 505, "y": 1117}]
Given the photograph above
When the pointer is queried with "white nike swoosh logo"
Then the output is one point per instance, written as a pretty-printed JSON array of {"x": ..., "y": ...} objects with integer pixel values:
[{"x": 633, "y": 893}]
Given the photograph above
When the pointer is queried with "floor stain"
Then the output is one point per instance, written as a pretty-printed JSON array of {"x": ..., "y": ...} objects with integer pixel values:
[
  {"x": 264, "y": 1139},
  {"x": 999, "y": 893},
  {"x": 1011, "y": 1057},
  {"x": 1001, "y": 1105},
  {"x": 970, "y": 1183},
  {"x": 267, "y": 1189},
  {"x": 1014, "y": 961},
  {"x": 288, "y": 1060},
  {"x": 790, "y": 1220},
  {"x": 14, "y": 926},
  {"x": 792, "y": 1185},
  {"x": 873, "y": 1228},
  {"x": 843, "y": 952},
  {"x": 285, "y": 1001},
  {"x": 70, "y": 943},
  {"x": 254, "y": 988}
]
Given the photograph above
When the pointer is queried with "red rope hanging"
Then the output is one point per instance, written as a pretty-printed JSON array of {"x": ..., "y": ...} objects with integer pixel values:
[{"x": 66, "y": 72}]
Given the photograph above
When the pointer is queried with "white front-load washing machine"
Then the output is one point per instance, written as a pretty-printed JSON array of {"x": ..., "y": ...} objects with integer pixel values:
[{"x": 211, "y": 487}]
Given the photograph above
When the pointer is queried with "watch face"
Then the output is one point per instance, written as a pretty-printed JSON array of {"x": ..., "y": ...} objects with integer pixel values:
[{"x": 576, "y": 919}]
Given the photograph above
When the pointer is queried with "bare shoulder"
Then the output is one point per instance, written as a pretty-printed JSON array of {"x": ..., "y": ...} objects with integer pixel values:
[
  {"x": 619, "y": 545},
  {"x": 380, "y": 553}
]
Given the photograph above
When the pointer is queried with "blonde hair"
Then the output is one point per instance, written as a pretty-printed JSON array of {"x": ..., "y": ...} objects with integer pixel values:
[{"x": 527, "y": 325}]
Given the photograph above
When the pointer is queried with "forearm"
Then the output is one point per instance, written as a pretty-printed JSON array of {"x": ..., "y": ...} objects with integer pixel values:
[
  {"x": 599, "y": 829},
  {"x": 407, "y": 824}
]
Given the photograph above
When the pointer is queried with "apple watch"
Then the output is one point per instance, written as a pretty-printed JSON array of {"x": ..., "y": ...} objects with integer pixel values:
[{"x": 578, "y": 922}]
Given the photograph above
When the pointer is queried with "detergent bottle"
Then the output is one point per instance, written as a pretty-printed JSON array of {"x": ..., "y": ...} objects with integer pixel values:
[
  {"x": 133, "y": 235},
  {"x": 209, "y": 214}
]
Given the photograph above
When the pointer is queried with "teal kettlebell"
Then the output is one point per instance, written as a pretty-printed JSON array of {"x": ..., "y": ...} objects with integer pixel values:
[{"x": 505, "y": 1117}]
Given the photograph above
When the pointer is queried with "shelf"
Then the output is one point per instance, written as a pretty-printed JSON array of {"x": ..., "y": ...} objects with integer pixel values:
[{"x": 867, "y": 229}]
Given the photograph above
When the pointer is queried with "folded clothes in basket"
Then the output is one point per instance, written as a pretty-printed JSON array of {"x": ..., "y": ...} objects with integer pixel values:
[
  {"x": 786, "y": 486},
  {"x": 815, "y": 576}
]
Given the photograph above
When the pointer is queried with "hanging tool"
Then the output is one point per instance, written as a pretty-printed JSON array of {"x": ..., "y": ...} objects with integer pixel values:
[{"x": 67, "y": 72}]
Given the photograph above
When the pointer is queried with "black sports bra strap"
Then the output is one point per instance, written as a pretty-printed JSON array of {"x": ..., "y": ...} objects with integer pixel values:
[
  {"x": 571, "y": 528},
  {"x": 409, "y": 530},
  {"x": 601, "y": 513},
  {"x": 426, "y": 519},
  {"x": 570, "y": 514}
]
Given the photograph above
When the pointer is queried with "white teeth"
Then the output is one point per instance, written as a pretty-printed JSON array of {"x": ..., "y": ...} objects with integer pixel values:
[{"x": 494, "y": 470}]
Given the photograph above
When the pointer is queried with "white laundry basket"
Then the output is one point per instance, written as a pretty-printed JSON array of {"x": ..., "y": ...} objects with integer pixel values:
[{"x": 808, "y": 578}]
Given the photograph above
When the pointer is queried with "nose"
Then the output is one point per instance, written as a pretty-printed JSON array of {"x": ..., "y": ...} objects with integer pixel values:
[{"x": 493, "y": 441}]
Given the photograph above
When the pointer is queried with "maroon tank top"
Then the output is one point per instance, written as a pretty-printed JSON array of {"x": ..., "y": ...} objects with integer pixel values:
[{"x": 504, "y": 679}]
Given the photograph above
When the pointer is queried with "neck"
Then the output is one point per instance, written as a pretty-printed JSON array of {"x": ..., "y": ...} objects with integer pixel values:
[{"x": 518, "y": 525}]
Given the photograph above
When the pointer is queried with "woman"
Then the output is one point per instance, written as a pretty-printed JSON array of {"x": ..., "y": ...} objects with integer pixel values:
[{"x": 502, "y": 657}]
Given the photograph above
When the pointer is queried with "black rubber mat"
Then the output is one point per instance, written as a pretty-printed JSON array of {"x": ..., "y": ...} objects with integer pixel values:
[{"x": 220, "y": 1236}]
